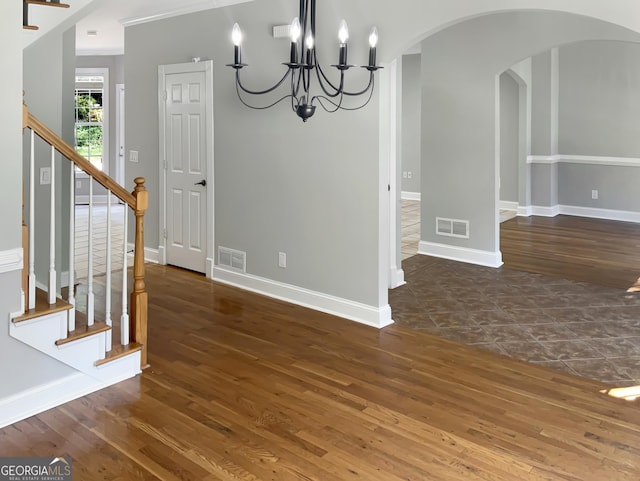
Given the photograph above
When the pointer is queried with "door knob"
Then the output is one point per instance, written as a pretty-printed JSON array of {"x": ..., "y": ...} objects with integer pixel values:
[{"x": 203, "y": 183}]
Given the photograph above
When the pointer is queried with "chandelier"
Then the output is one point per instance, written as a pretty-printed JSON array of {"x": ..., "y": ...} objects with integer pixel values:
[{"x": 304, "y": 68}]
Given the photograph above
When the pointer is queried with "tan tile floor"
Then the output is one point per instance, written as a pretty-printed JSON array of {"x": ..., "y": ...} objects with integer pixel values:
[
  {"x": 99, "y": 239},
  {"x": 580, "y": 328}
]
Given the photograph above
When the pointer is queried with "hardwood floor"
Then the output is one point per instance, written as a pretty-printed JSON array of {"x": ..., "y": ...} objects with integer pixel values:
[
  {"x": 242, "y": 387},
  {"x": 597, "y": 251}
]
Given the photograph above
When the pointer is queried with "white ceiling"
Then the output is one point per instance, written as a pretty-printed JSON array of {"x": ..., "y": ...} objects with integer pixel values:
[{"x": 109, "y": 18}]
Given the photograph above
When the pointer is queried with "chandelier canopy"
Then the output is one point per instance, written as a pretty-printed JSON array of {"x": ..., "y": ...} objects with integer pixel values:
[{"x": 304, "y": 68}]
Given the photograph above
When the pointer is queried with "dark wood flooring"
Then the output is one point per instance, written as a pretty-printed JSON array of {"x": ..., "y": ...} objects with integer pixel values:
[
  {"x": 601, "y": 252},
  {"x": 242, "y": 387}
]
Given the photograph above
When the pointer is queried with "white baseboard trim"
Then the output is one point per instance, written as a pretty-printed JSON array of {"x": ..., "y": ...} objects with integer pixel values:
[
  {"x": 608, "y": 214},
  {"x": 396, "y": 278},
  {"x": 508, "y": 205},
  {"x": 593, "y": 212},
  {"x": 584, "y": 159},
  {"x": 525, "y": 211},
  {"x": 11, "y": 260},
  {"x": 461, "y": 254},
  {"x": 544, "y": 211},
  {"x": 378, "y": 317},
  {"x": 411, "y": 195},
  {"x": 150, "y": 255},
  {"x": 41, "y": 398}
]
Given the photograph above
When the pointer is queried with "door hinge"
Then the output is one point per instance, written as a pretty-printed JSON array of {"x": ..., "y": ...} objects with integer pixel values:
[
  {"x": 165, "y": 95},
  {"x": 164, "y": 233},
  {"x": 389, "y": 187}
]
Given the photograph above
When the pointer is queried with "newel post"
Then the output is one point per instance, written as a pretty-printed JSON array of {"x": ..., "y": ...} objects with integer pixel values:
[{"x": 139, "y": 298}]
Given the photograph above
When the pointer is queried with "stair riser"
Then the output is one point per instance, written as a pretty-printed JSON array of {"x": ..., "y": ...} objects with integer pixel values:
[{"x": 42, "y": 333}]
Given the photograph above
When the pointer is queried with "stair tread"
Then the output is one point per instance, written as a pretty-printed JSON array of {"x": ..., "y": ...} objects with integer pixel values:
[
  {"x": 84, "y": 331},
  {"x": 46, "y": 4},
  {"x": 119, "y": 351},
  {"x": 43, "y": 307}
]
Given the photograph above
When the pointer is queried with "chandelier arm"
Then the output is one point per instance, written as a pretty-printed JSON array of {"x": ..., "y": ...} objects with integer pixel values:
[
  {"x": 259, "y": 108},
  {"x": 260, "y": 92},
  {"x": 363, "y": 91},
  {"x": 326, "y": 79},
  {"x": 339, "y": 106},
  {"x": 336, "y": 90}
]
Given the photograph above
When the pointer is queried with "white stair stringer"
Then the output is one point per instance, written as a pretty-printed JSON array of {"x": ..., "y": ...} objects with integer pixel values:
[{"x": 42, "y": 332}]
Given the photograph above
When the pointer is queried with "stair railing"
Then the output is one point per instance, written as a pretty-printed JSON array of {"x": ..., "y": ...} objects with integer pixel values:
[{"x": 133, "y": 324}]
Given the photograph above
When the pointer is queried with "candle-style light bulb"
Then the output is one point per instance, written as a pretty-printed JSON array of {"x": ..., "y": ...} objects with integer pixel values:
[
  {"x": 236, "y": 35},
  {"x": 309, "y": 44},
  {"x": 373, "y": 41},
  {"x": 343, "y": 32},
  {"x": 295, "y": 30},
  {"x": 373, "y": 37},
  {"x": 294, "y": 33},
  {"x": 343, "y": 35},
  {"x": 236, "y": 38}
]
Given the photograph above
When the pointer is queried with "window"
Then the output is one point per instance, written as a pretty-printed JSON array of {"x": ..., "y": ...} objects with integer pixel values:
[{"x": 91, "y": 116}]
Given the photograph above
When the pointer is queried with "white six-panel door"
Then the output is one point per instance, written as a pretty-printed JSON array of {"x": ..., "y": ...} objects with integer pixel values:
[{"x": 185, "y": 129}]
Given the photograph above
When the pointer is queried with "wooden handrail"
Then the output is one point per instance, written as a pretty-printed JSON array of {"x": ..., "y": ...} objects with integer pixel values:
[{"x": 50, "y": 137}]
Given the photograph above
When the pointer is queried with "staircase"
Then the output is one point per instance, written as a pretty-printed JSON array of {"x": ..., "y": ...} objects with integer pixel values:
[
  {"x": 51, "y": 320},
  {"x": 44, "y": 3}
]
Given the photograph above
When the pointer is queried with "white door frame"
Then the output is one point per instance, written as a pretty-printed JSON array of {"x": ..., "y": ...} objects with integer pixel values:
[
  {"x": 163, "y": 70},
  {"x": 119, "y": 155}
]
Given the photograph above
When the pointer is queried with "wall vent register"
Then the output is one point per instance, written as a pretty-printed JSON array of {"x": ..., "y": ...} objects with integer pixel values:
[
  {"x": 452, "y": 227},
  {"x": 232, "y": 259}
]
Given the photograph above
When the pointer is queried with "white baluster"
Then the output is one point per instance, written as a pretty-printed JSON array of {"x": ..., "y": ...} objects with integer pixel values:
[
  {"x": 72, "y": 249},
  {"x": 90, "y": 296},
  {"x": 52, "y": 231},
  {"x": 124, "y": 319},
  {"x": 108, "y": 320},
  {"x": 32, "y": 224}
]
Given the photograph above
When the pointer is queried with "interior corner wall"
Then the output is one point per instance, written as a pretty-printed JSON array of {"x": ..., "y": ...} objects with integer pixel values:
[
  {"x": 541, "y": 104},
  {"x": 411, "y": 112},
  {"x": 310, "y": 190},
  {"x": 509, "y": 138}
]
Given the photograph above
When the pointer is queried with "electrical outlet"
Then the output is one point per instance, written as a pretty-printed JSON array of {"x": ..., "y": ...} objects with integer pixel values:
[
  {"x": 594, "y": 194},
  {"x": 133, "y": 156},
  {"x": 409, "y": 175},
  {"x": 282, "y": 259},
  {"x": 404, "y": 174}
]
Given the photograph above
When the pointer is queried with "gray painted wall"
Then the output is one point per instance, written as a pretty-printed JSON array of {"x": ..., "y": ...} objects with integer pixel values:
[
  {"x": 617, "y": 186},
  {"x": 600, "y": 99},
  {"x": 411, "y": 111},
  {"x": 33, "y": 367},
  {"x": 310, "y": 190},
  {"x": 599, "y": 103},
  {"x": 458, "y": 113},
  {"x": 50, "y": 99},
  {"x": 509, "y": 138},
  {"x": 541, "y": 104}
]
